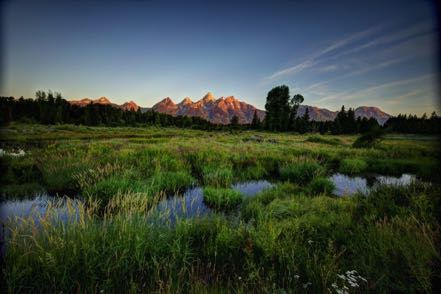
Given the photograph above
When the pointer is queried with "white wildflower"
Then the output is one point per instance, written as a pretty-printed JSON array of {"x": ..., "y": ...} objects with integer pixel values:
[
  {"x": 350, "y": 278},
  {"x": 307, "y": 285}
]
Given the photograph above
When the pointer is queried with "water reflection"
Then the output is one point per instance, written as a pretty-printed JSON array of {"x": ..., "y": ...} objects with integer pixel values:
[
  {"x": 62, "y": 209},
  {"x": 186, "y": 205},
  {"x": 346, "y": 185},
  {"x": 37, "y": 207},
  {"x": 191, "y": 203}
]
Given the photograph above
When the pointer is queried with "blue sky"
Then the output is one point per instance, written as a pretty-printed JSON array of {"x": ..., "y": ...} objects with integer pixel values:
[{"x": 375, "y": 53}]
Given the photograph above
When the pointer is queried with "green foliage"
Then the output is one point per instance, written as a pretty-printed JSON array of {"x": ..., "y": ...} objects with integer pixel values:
[
  {"x": 281, "y": 240},
  {"x": 301, "y": 173},
  {"x": 281, "y": 115},
  {"x": 369, "y": 139},
  {"x": 222, "y": 198},
  {"x": 165, "y": 182},
  {"x": 255, "y": 123},
  {"x": 353, "y": 166},
  {"x": 106, "y": 189},
  {"x": 426, "y": 168},
  {"x": 278, "y": 109},
  {"x": 345, "y": 122},
  {"x": 321, "y": 185},
  {"x": 218, "y": 176},
  {"x": 170, "y": 181},
  {"x": 417, "y": 200},
  {"x": 324, "y": 140},
  {"x": 22, "y": 190}
]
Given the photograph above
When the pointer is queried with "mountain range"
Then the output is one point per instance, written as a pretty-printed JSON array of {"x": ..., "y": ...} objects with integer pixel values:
[
  {"x": 104, "y": 101},
  {"x": 221, "y": 110}
]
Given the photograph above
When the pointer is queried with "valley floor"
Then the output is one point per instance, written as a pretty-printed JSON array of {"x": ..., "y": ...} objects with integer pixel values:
[{"x": 295, "y": 235}]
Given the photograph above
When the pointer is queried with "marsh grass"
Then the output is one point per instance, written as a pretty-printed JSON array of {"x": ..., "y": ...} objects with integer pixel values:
[
  {"x": 292, "y": 238},
  {"x": 321, "y": 185},
  {"x": 353, "y": 166},
  {"x": 334, "y": 141},
  {"x": 218, "y": 176},
  {"x": 301, "y": 173},
  {"x": 222, "y": 198}
]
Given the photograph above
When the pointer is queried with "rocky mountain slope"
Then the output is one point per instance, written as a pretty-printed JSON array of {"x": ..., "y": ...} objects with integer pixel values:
[
  {"x": 217, "y": 110},
  {"x": 323, "y": 114}
]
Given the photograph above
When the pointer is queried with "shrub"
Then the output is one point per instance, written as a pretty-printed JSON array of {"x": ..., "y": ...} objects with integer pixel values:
[
  {"x": 301, "y": 173},
  {"x": 353, "y": 166},
  {"x": 222, "y": 198},
  {"x": 369, "y": 139}
]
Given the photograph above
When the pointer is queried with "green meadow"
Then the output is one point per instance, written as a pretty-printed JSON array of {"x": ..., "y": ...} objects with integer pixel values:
[{"x": 294, "y": 237}]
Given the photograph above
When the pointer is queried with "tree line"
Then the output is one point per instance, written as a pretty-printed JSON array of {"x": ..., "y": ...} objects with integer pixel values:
[
  {"x": 51, "y": 108},
  {"x": 281, "y": 116}
]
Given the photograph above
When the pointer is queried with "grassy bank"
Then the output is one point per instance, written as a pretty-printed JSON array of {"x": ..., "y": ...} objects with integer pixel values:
[{"x": 295, "y": 237}]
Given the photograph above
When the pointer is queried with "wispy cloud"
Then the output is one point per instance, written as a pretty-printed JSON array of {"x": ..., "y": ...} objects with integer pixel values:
[
  {"x": 362, "y": 93},
  {"x": 327, "y": 68},
  {"x": 397, "y": 100},
  {"x": 313, "y": 59},
  {"x": 322, "y": 55},
  {"x": 401, "y": 36},
  {"x": 363, "y": 70}
]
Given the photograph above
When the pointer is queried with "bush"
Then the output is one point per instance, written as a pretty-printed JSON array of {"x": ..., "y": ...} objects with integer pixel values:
[
  {"x": 321, "y": 185},
  {"x": 222, "y": 198},
  {"x": 301, "y": 173},
  {"x": 353, "y": 166},
  {"x": 369, "y": 139}
]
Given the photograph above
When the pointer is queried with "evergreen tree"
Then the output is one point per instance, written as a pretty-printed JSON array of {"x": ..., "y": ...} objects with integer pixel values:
[
  {"x": 255, "y": 123},
  {"x": 303, "y": 123},
  {"x": 350, "y": 123},
  {"x": 234, "y": 123},
  {"x": 306, "y": 115},
  {"x": 296, "y": 100}
]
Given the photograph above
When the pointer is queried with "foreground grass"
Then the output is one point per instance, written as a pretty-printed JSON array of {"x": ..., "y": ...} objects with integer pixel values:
[
  {"x": 284, "y": 241},
  {"x": 295, "y": 237}
]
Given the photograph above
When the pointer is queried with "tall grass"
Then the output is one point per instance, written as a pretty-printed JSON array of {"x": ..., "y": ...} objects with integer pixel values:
[
  {"x": 282, "y": 240},
  {"x": 222, "y": 198},
  {"x": 321, "y": 185},
  {"x": 295, "y": 243},
  {"x": 353, "y": 166},
  {"x": 302, "y": 172}
]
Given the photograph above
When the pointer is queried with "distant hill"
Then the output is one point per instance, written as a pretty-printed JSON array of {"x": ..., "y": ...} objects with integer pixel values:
[
  {"x": 323, "y": 114},
  {"x": 105, "y": 101},
  {"x": 221, "y": 110}
]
